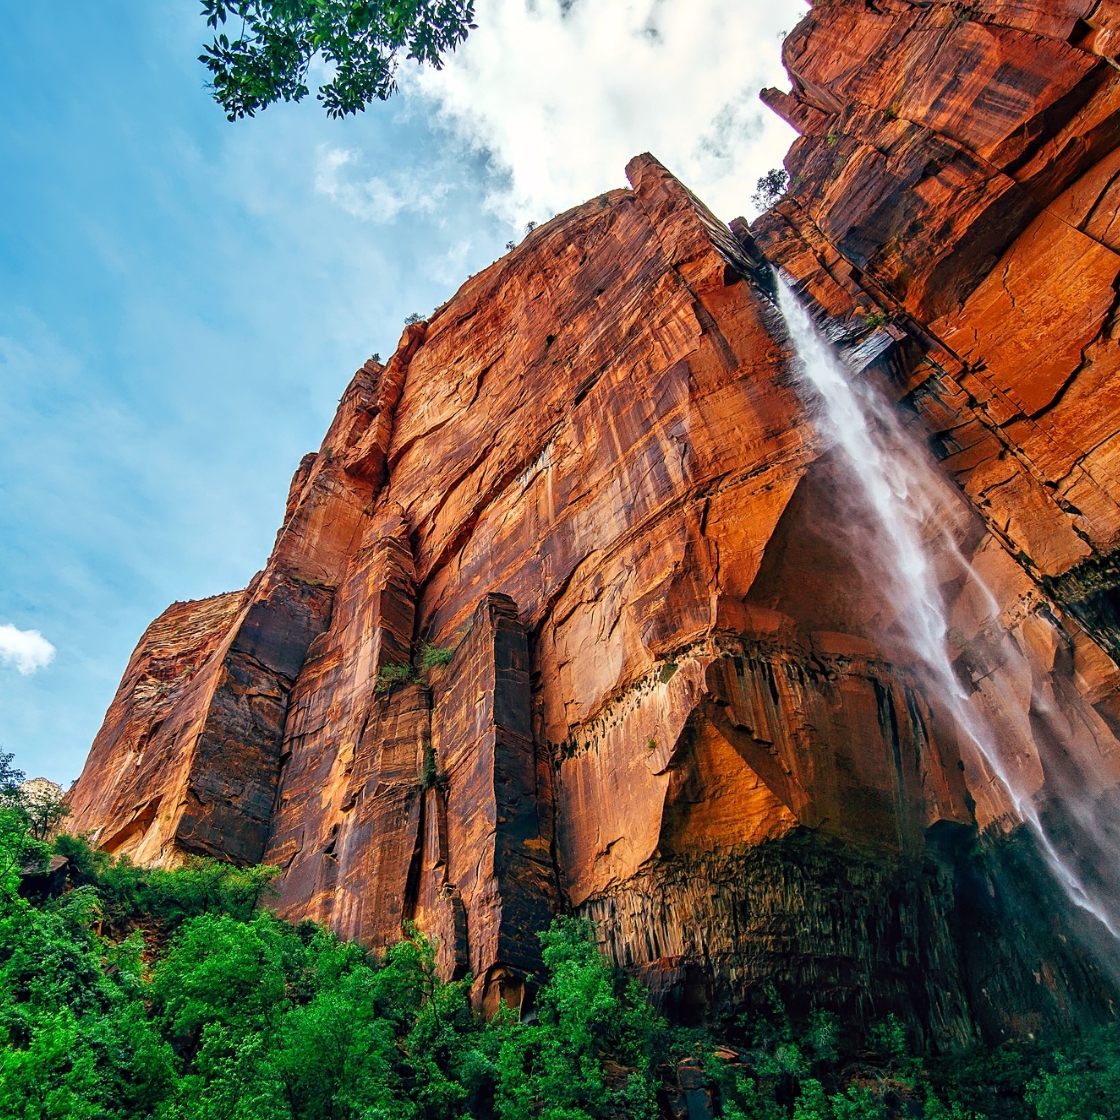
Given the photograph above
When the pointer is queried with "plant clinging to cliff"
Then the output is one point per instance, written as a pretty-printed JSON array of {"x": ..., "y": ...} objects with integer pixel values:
[
  {"x": 431, "y": 657},
  {"x": 391, "y": 675},
  {"x": 770, "y": 188},
  {"x": 267, "y": 58}
]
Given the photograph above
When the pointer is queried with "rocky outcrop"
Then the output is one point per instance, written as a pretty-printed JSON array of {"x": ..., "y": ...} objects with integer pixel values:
[
  {"x": 565, "y": 613},
  {"x": 955, "y": 174}
]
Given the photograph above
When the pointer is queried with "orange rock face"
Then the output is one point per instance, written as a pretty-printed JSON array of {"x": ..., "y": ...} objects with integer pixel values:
[
  {"x": 563, "y": 613},
  {"x": 958, "y": 174}
]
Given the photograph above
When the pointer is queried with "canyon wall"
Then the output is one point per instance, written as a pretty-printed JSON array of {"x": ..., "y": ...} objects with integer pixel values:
[
  {"x": 955, "y": 186},
  {"x": 563, "y": 614}
]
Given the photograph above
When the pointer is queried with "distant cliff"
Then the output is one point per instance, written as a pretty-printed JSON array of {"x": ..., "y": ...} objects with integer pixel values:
[{"x": 673, "y": 704}]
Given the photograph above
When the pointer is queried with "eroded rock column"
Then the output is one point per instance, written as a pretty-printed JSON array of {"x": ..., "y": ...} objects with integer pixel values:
[{"x": 499, "y": 826}]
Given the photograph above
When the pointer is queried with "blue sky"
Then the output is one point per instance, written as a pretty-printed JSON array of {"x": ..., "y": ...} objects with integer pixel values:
[{"x": 182, "y": 300}]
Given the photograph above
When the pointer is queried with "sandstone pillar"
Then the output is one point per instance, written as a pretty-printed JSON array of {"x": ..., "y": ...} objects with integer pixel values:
[{"x": 498, "y": 802}]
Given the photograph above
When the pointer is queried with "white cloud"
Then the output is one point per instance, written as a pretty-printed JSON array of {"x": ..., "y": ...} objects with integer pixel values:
[
  {"x": 27, "y": 650},
  {"x": 562, "y": 93},
  {"x": 373, "y": 199}
]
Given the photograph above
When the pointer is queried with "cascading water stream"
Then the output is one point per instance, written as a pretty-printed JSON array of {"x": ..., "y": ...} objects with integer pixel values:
[{"x": 904, "y": 492}]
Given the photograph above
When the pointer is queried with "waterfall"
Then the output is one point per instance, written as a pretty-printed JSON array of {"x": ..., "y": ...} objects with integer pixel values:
[{"x": 907, "y": 530}]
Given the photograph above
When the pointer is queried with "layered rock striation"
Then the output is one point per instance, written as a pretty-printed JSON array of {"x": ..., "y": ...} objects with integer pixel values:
[{"x": 563, "y": 614}]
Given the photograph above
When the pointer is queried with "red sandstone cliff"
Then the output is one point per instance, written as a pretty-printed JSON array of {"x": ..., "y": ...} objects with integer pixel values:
[
  {"x": 956, "y": 174},
  {"x": 671, "y": 704}
]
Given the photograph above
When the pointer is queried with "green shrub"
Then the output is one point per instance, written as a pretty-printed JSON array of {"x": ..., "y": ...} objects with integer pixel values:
[
  {"x": 391, "y": 675},
  {"x": 205, "y": 886},
  {"x": 557, "y": 1068},
  {"x": 432, "y": 657},
  {"x": 1085, "y": 1083},
  {"x": 18, "y": 848},
  {"x": 75, "y": 1041},
  {"x": 162, "y": 896}
]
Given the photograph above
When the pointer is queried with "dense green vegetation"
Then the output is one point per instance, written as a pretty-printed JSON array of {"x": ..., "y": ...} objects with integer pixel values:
[
  {"x": 176, "y": 994},
  {"x": 273, "y": 43}
]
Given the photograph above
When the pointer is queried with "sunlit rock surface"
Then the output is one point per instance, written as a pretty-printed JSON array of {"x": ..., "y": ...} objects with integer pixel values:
[
  {"x": 958, "y": 171},
  {"x": 674, "y": 702}
]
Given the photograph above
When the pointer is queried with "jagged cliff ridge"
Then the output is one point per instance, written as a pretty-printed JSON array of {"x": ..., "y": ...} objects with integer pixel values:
[{"x": 674, "y": 704}]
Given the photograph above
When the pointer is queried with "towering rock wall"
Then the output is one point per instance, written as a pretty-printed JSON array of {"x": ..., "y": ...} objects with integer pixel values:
[{"x": 674, "y": 703}]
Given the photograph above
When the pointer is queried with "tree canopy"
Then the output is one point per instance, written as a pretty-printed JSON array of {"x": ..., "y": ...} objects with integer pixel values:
[
  {"x": 157, "y": 994},
  {"x": 263, "y": 49}
]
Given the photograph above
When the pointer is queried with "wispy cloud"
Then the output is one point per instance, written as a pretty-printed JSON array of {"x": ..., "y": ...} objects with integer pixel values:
[
  {"x": 373, "y": 199},
  {"x": 27, "y": 650},
  {"x": 561, "y": 93}
]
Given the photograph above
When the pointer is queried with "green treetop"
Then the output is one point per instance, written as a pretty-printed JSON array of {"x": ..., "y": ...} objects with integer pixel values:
[{"x": 262, "y": 49}]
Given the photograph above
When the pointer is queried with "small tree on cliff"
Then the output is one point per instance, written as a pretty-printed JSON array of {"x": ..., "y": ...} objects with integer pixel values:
[
  {"x": 770, "y": 188},
  {"x": 44, "y": 804},
  {"x": 40, "y": 803},
  {"x": 268, "y": 57},
  {"x": 10, "y": 777}
]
